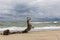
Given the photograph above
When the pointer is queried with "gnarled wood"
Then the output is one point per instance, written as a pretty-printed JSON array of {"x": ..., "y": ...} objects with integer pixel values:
[
  {"x": 29, "y": 26},
  {"x": 6, "y": 32}
]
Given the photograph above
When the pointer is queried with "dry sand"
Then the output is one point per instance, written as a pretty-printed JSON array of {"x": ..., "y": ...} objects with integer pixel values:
[{"x": 42, "y": 35}]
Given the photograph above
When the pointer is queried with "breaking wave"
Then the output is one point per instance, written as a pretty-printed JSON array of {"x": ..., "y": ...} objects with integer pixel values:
[
  {"x": 44, "y": 22},
  {"x": 15, "y": 29}
]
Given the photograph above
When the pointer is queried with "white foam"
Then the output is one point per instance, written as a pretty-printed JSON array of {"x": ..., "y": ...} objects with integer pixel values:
[
  {"x": 39, "y": 22},
  {"x": 55, "y": 22},
  {"x": 15, "y": 29},
  {"x": 46, "y": 28},
  {"x": 44, "y": 22}
]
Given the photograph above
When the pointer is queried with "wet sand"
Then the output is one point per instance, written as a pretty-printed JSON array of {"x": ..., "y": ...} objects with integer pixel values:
[{"x": 41, "y": 35}]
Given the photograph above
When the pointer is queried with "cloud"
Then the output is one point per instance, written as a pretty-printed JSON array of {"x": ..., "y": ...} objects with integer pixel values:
[{"x": 20, "y": 9}]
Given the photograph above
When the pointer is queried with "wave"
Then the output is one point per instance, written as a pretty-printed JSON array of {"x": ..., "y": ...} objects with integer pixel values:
[
  {"x": 55, "y": 22},
  {"x": 44, "y": 22},
  {"x": 15, "y": 29},
  {"x": 12, "y": 29},
  {"x": 46, "y": 28}
]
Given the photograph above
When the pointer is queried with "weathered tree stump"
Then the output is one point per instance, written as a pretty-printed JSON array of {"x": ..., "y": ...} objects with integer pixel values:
[
  {"x": 6, "y": 32},
  {"x": 29, "y": 26}
]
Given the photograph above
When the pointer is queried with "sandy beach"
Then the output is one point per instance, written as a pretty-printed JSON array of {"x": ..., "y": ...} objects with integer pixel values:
[{"x": 41, "y": 35}]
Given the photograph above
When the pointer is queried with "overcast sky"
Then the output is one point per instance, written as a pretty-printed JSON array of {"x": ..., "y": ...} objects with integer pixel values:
[{"x": 20, "y": 9}]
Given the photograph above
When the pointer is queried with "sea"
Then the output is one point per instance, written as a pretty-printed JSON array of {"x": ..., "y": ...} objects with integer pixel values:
[
  {"x": 15, "y": 26},
  {"x": 4, "y": 24}
]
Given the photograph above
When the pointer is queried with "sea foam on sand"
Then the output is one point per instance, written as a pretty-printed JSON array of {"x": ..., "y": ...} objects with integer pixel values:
[
  {"x": 12, "y": 29},
  {"x": 15, "y": 29}
]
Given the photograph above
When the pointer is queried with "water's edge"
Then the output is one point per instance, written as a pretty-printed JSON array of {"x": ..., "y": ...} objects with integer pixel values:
[{"x": 15, "y": 29}]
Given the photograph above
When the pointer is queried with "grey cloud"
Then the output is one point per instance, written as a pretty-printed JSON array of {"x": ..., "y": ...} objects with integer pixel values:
[{"x": 20, "y": 9}]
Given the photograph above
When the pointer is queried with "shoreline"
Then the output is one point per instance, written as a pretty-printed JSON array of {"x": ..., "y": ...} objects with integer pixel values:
[{"x": 15, "y": 29}]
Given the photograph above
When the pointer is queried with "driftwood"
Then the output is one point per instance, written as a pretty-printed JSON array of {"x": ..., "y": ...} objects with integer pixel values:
[
  {"x": 6, "y": 32},
  {"x": 29, "y": 26}
]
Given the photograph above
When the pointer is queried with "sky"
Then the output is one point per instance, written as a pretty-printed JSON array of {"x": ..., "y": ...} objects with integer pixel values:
[{"x": 20, "y": 9}]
